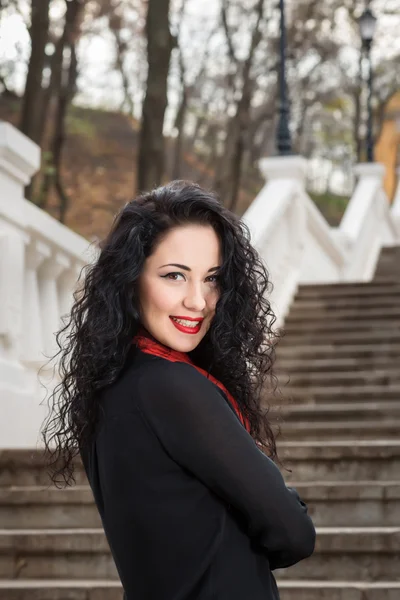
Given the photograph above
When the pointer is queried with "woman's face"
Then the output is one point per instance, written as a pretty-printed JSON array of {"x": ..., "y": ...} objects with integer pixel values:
[{"x": 177, "y": 281}]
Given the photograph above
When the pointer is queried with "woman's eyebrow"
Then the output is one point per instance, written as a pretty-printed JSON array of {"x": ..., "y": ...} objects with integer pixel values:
[{"x": 185, "y": 268}]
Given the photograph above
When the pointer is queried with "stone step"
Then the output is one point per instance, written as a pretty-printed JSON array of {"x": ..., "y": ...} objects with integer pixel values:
[
  {"x": 340, "y": 460},
  {"x": 386, "y": 274},
  {"x": 383, "y": 376},
  {"x": 323, "y": 327},
  {"x": 389, "y": 251},
  {"x": 335, "y": 365},
  {"x": 338, "y": 590},
  {"x": 36, "y": 507},
  {"x": 389, "y": 259},
  {"x": 55, "y": 554},
  {"x": 344, "y": 503},
  {"x": 338, "y": 411},
  {"x": 329, "y": 351},
  {"x": 60, "y": 589},
  {"x": 388, "y": 265},
  {"x": 358, "y": 313},
  {"x": 340, "y": 430},
  {"x": 370, "y": 288},
  {"x": 333, "y": 303},
  {"x": 288, "y": 589},
  {"x": 23, "y": 467},
  {"x": 27, "y": 467},
  {"x": 367, "y": 337},
  {"x": 351, "y": 553},
  {"x": 354, "y": 553},
  {"x": 335, "y": 394},
  {"x": 336, "y": 503}
]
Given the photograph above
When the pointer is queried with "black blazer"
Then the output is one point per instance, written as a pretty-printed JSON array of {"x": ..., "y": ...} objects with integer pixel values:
[{"x": 191, "y": 507}]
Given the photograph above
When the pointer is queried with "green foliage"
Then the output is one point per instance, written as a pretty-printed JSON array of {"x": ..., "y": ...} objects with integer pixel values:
[
  {"x": 340, "y": 102},
  {"x": 47, "y": 163},
  {"x": 78, "y": 123},
  {"x": 331, "y": 205}
]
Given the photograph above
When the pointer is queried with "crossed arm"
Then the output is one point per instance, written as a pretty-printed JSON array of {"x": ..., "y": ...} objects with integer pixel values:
[{"x": 200, "y": 431}]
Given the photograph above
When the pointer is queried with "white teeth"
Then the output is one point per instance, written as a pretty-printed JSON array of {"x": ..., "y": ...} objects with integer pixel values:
[{"x": 187, "y": 323}]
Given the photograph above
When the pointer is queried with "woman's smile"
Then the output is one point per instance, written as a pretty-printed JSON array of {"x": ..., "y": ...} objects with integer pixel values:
[{"x": 186, "y": 326}]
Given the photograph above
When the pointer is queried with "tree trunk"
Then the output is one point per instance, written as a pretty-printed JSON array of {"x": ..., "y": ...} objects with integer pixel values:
[
  {"x": 32, "y": 101},
  {"x": 228, "y": 177},
  {"x": 180, "y": 123},
  {"x": 234, "y": 171},
  {"x": 54, "y": 86},
  {"x": 64, "y": 85},
  {"x": 151, "y": 141},
  {"x": 116, "y": 24},
  {"x": 59, "y": 138}
]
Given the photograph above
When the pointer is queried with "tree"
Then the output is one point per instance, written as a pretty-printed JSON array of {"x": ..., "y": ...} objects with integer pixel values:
[
  {"x": 228, "y": 176},
  {"x": 62, "y": 87},
  {"x": 160, "y": 43},
  {"x": 32, "y": 100}
]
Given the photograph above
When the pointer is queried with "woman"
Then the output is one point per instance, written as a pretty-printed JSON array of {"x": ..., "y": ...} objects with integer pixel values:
[{"x": 169, "y": 350}]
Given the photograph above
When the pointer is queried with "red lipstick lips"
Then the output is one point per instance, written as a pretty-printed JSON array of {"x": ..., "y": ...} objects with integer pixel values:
[
  {"x": 188, "y": 318},
  {"x": 185, "y": 329}
]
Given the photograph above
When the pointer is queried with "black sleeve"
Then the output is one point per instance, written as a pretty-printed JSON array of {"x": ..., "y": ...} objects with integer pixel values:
[{"x": 198, "y": 429}]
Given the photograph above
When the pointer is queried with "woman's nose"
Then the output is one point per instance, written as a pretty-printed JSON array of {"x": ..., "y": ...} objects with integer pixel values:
[{"x": 195, "y": 299}]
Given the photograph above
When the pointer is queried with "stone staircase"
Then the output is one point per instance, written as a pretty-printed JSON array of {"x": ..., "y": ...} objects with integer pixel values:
[{"x": 340, "y": 438}]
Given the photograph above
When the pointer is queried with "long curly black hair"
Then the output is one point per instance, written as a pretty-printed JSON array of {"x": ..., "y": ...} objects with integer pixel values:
[{"x": 238, "y": 349}]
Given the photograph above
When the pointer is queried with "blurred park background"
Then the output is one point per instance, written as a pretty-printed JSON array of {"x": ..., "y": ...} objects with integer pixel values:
[{"x": 124, "y": 94}]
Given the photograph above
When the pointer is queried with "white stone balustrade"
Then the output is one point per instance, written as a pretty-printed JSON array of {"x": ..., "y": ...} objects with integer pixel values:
[
  {"x": 299, "y": 246},
  {"x": 40, "y": 260}
]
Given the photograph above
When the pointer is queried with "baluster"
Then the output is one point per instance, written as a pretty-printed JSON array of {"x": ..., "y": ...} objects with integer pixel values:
[
  {"x": 11, "y": 292},
  {"x": 36, "y": 253},
  {"x": 49, "y": 273}
]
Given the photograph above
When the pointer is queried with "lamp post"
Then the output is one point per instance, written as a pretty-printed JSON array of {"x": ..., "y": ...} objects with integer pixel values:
[
  {"x": 283, "y": 138},
  {"x": 367, "y": 24}
]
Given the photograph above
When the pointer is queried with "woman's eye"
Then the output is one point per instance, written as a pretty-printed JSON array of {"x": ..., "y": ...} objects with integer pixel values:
[
  {"x": 169, "y": 274},
  {"x": 175, "y": 273},
  {"x": 215, "y": 278}
]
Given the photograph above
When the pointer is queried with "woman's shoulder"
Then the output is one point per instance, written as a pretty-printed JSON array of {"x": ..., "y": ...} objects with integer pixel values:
[
  {"x": 152, "y": 371},
  {"x": 142, "y": 365},
  {"x": 145, "y": 374}
]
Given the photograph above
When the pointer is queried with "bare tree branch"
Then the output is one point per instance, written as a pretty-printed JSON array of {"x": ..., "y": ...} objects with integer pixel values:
[
  {"x": 228, "y": 33},
  {"x": 227, "y": 181}
]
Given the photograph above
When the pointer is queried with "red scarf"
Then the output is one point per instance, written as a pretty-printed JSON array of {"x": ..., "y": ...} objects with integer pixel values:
[{"x": 148, "y": 344}]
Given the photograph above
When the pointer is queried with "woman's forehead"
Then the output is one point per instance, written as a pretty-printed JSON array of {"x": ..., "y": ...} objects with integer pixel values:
[{"x": 191, "y": 243}]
